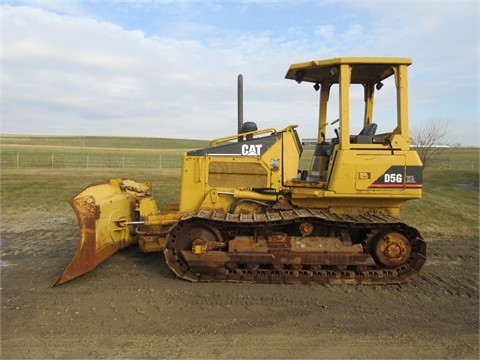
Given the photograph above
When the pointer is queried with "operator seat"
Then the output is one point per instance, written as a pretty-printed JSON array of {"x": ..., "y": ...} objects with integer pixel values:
[
  {"x": 365, "y": 136},
  {"x": 369, "y": 129}
]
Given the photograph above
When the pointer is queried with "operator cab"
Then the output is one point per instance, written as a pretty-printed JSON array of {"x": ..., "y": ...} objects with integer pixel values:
[{"x": 340, "y": 82}]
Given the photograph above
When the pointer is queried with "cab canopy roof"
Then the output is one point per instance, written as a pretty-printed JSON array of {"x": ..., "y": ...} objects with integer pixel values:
[{"x": 364, "y": 69}]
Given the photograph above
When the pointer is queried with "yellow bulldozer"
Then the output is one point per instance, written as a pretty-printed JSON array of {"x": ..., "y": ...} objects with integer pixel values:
[{"x": 247, "y": 213}]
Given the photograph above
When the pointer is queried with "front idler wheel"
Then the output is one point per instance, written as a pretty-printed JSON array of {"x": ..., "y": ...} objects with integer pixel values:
[
  {"x": 194, "y": 238},
  {"x": 198, "y": 238}
]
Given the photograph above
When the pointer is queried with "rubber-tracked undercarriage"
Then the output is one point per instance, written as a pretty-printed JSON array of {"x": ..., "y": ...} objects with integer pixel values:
[{"x": 248, "y": 214}]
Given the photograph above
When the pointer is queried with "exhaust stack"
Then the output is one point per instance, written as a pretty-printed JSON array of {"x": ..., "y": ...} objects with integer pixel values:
[{"x": 240, "y": 102}]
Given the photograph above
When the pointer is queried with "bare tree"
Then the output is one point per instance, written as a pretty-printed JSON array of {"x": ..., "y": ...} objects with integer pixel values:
[{"x": 431, "y": 138}]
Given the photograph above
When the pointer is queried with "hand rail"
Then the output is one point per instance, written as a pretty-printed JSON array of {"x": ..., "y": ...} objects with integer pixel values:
[{"x": 215, "y": 142}]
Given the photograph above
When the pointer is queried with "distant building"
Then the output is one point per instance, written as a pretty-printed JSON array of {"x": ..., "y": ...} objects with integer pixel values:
[
  {"x": 315, "y": 142},
  {"x": 430, "y": 146},
  {"x": 309, "y": 141}
]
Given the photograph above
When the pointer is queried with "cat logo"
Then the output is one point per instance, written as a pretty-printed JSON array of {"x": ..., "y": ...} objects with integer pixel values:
[{"x": 251, "y": 150}]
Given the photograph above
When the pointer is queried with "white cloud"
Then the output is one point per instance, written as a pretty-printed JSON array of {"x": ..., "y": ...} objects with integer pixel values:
[
  {"x": 75, "y": 73},
  {"x": 352, "y": 34},
  {"x": 324, "y": 31},
  {"x": 105, "y": 75},
  {"x": 60, "y": 7}
]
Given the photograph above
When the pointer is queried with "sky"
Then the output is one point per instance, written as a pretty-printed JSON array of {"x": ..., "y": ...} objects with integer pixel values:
[{"x": 169, "y": 69}]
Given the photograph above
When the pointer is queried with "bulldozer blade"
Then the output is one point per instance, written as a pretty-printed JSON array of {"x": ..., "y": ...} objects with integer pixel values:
[{"x": 104, "y": 212}]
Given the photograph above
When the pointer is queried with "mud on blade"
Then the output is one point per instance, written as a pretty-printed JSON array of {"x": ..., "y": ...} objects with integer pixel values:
[{"x": 103, "y": 211}]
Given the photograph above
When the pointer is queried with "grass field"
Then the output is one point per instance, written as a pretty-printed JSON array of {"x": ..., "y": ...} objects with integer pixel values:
[
  {"x": 449, "y": 208},
  {"x": 92, "y": 152}
]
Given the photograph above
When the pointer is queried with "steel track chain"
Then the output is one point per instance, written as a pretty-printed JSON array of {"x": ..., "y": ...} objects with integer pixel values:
[{"x": 303, "y": 275}]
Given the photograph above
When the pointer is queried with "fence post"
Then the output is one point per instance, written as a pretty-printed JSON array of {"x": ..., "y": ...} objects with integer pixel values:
[
  {"x": 88, "y": 159},
  {"x": 18, "y": 159},
  {"x": 160, "y": 161},
  {"x": 52, "y": 160},
  {"x": 123, "y": 161}
]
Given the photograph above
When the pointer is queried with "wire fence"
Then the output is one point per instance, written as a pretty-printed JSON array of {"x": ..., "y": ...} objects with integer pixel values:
[
  {"x": 27, "y": 159},
  {"x": 162, "y": 160},
  {"x": 448, "y": 164}
]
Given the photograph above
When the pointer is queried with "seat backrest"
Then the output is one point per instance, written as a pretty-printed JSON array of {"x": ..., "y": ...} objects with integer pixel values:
[
  {"x": 324, "y": 149},
  {"x": 369, "y": 129}
]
